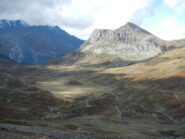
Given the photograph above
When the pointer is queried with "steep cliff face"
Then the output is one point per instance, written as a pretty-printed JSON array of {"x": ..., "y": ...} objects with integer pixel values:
[
  {"x": 28, "y": 44},
  {"x": 128, "y": 42}
]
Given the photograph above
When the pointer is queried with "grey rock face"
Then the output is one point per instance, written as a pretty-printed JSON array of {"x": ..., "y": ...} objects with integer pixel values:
[{"x": 128, "y": 42}]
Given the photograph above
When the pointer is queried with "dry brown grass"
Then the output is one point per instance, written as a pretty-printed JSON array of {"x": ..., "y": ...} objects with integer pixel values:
[{"x": 149, "y": 94}]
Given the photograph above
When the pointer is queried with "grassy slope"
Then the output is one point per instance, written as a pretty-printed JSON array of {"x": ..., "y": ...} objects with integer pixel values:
[{"x": 143, "y": 99}]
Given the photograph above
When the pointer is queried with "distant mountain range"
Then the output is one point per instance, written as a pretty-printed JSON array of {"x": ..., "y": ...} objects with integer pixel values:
[{"x": 27, "y": 44}]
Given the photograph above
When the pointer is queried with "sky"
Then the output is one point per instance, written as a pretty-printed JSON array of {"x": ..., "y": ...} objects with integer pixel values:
[{"x": 163, "y": 18}]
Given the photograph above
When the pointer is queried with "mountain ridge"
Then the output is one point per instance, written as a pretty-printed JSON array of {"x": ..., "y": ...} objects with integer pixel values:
[
  {"x": 132, "y": 26},
  {"x": 6, "y": 23},
  {"x": 27, "y": 44}
]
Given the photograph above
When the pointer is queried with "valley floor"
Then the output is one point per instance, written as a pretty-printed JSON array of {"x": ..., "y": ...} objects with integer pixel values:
[{"x": 146, "y": 99}]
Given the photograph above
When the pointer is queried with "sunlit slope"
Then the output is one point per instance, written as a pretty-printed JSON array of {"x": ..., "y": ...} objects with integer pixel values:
[
  {"x": 167, "y": 65},
  {"x": 142, "y": 99},
  {"x": 147, "y": 94},
  {"x": 157, "y": 84},
  {"x": 72, "y": 81}
]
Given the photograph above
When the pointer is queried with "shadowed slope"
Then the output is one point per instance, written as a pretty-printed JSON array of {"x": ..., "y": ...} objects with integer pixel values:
[{"x": 28, "y": 44}]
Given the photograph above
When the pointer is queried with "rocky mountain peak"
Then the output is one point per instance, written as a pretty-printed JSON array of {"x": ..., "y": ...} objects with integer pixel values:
[
  {"x": 131, "y": 27},
  {"x": 127, "y": 43}
]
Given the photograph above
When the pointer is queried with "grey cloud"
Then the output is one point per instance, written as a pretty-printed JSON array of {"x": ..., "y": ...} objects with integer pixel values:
[
  {"x": 78, "y": 23},
  {"x": 41, "y": 12}
]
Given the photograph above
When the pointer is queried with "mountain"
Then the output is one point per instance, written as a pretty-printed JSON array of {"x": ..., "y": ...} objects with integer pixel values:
[
  {"x": 128, "y": 43},
  {"x": 28, "y": 44}
]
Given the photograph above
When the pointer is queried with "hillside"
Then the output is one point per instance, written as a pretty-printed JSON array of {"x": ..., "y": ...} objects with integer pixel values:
[
  {"x": 27, "y": 44},
  {"x": 143, "y": 99}
]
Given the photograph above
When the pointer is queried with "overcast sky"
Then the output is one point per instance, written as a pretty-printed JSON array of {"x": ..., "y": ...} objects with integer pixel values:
[{"x": 164, "y": 18}]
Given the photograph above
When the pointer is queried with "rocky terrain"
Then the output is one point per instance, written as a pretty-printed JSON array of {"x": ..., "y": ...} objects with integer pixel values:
[
  {"x": 90, "y": 94},
  {"x": 27, "y": 44},
  {"x": 128, "y": 42}
]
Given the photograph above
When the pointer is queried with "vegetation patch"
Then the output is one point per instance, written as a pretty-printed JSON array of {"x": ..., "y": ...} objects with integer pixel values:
[{"x": 73, "y": 83}]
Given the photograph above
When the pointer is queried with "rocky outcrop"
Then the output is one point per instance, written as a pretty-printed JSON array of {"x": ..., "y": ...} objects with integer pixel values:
[{"x": 128, "y": 42}]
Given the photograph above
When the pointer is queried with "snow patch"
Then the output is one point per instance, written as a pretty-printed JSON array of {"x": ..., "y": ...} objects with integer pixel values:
[{"x": 9, "y": 23}]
